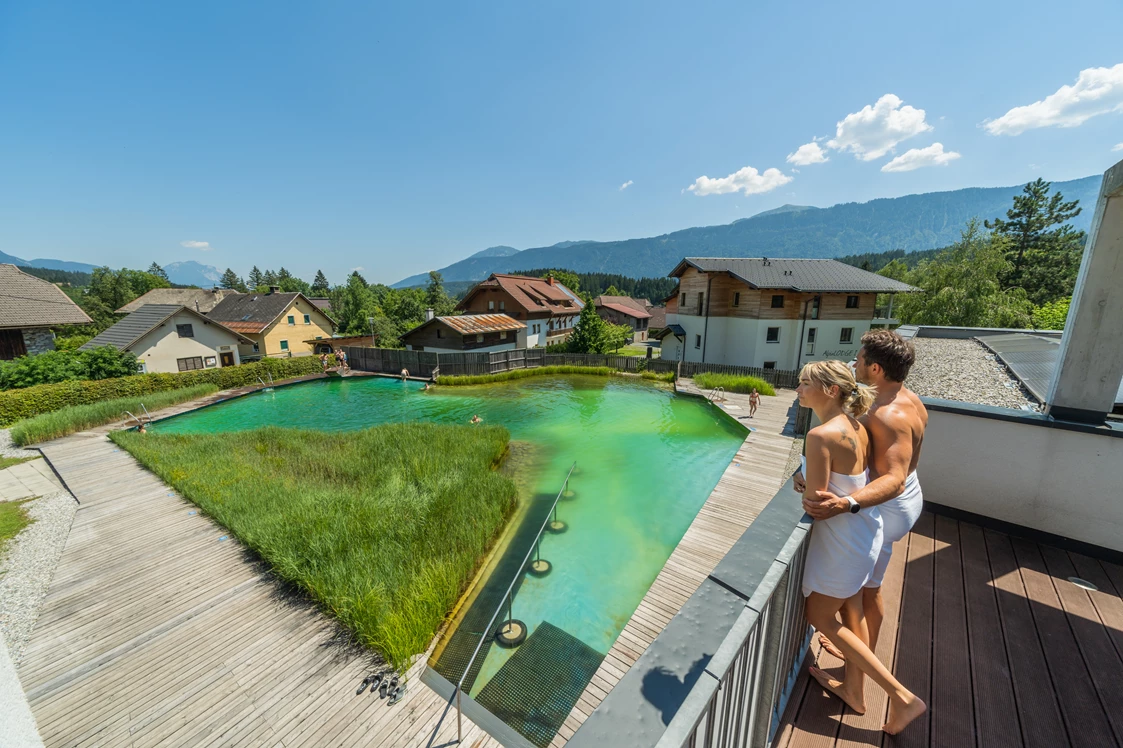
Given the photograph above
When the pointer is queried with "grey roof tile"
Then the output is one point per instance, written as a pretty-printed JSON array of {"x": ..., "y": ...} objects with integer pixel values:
[
  {"x": 143, "y": 321},
  {"x": 27, "y": 301},
  {"x": 797, "y": 275}
]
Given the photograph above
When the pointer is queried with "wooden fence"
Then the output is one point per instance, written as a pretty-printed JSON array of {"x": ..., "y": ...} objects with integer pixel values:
[{"x": 775, "y": 377}]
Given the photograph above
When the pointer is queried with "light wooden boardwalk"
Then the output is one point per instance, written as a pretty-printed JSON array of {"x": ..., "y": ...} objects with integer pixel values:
[
  {"x": 158, "y": 629},
  {"x": 748, "y": 484}
]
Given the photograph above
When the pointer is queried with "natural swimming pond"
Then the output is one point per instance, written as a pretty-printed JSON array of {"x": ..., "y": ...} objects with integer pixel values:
[{"x": 646, "y": 462}]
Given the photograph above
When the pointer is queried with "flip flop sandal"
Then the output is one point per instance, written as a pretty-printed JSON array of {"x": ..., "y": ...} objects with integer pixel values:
[
  {"x": 382, "y": 689},
  {"x": 363, "y": 686},
  {"x": 398, "y": 694},
  {"x": 374, "y": 681}
]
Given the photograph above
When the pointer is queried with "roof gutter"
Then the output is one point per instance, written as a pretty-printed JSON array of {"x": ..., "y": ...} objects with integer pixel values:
[{"x": 706, "y": 325}]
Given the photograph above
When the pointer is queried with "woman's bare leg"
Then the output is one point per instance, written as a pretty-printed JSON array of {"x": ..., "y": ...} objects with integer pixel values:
[{"x": 904, "y": 706}]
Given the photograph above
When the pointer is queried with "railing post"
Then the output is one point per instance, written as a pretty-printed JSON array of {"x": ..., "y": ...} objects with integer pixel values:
[{"x": 458, "y": 735}]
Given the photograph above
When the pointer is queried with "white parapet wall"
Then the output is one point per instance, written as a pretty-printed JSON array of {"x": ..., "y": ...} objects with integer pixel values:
[{"x": 1023, "y": 469}]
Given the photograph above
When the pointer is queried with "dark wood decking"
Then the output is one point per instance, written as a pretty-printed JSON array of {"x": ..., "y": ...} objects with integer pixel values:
[{"x": 990, "y": 632}]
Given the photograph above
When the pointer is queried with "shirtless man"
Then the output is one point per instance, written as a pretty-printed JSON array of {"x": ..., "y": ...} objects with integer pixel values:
[{"x": 896, "y": 423}]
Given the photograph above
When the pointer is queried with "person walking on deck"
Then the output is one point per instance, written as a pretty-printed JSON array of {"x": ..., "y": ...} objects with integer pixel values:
[
  {"x": 754, "y": 402},
  {"x": 844, "y": 547}
]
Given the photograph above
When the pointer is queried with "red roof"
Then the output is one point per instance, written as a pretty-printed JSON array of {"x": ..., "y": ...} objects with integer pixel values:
[
  {"x": 631, "y": 311},
  {"x": 532, "y": 294}
]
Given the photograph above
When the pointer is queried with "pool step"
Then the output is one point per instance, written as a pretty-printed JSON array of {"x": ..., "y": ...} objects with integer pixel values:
[{"x": 535, "y": 691}]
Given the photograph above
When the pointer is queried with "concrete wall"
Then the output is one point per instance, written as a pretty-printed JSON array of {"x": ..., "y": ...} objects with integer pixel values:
[
  {"x": 1027, "y": 470},
  {"x": 160, "y": 349},
  {"x": 743, "y": 342}
]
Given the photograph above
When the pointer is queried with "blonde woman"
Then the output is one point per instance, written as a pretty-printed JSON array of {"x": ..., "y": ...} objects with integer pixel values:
[{"x": 842, "y": 550}]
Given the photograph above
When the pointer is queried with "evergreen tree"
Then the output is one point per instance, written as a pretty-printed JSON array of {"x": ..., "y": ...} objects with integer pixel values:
[
  {"x": 269, "y": 278},
  {"x": 1043, "y": 260},
  {"x": 231, "y": 280},
  {"x": 283, "y": 275},
  {"x": 590, "y": 334},
  {"x": 320, "y": 284},
  {"x": 158, "y": 271},
  {"x": 435, "y": 296},
  {"x": 255, "y": 278}
]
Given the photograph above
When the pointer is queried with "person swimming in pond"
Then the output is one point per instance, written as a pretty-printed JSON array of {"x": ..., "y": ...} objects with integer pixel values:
[
  {"x": 143, "y": 428},
  {"x": 476, "y": 419},
  {"x": 427, "y": 387},
  {"x": 754, "y": 402}
]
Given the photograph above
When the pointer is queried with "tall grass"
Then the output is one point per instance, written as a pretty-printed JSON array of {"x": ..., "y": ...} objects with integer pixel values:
[
  {"x": 383, "y": 527},
  {"x": 506, "y": 376},
  {"x": 733, "y": 383},
  {"x": 76, "y": 418}
]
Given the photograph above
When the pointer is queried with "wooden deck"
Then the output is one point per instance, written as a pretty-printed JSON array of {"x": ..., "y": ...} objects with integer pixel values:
[
  {"x": 748, "y": 484},
  {"x": 989, "y": 631},
  {"x": 159, "y": 629}
]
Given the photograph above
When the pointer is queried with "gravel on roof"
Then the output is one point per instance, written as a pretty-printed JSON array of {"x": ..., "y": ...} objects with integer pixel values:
[{"x": 966, "y": 371}]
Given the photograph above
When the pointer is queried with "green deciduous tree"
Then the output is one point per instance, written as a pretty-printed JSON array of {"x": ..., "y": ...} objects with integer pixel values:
[
  {"x": 962, "y": 286},
  {"x": 105, "y": 362},
  {"x": 1051, "y": 316},
  {"x": 616, "y": 336}
]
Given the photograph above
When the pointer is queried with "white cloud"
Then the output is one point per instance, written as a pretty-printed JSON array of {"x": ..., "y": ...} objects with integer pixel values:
[
  {"x": 626, "y": 185},
  {"x": 876, "y": 130},
  {"x": 357, "y": 269},
  {"x": 1097, "y": 91},
  {"x": 1118, "y": 147},
  {"x": 201, "y": 246},
  {"x": 933, "y": 155},
  {"x": 808, "y": 154},
  {"x": 747, "y": 180}
]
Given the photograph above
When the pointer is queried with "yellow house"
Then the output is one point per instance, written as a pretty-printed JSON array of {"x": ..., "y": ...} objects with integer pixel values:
[{"x": 279, "y": 324}]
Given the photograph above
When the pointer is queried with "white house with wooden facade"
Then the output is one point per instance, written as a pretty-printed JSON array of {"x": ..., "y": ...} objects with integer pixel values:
[{"x": 772, "y": 314}]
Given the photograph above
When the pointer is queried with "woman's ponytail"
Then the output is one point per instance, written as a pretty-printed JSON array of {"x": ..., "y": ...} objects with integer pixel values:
[{"x": 860, "y": 400}]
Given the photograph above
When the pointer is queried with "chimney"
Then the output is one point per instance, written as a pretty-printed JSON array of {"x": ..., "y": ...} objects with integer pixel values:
[
  {"x": 429, "y": 314},
  {"x": 550, "y": 280},
  {"x": 274, "y": 289}
]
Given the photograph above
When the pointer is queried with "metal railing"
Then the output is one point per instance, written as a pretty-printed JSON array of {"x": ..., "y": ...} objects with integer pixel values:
[
  {"x": 717, "y": 395},
  {"x": 754, "y": 669},
  {"x": 508, "y": 596}
]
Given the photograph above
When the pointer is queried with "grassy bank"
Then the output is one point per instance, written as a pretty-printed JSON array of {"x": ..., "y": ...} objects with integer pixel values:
[
  {"x": 7, "y": 462},
  {"x": 77, "y": 418},
  {"x": 506, "y": 376},
  {"x": 731, "y": 383},
  {"x": 13, "y": 519},
  {"x": 383, "y": 527}
]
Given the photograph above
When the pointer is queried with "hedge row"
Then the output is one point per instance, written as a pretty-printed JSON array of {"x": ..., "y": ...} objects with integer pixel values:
[{"x": 45, "y": 398}]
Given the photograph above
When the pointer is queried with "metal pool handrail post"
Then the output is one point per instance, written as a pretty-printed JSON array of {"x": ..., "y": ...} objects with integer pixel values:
[{"x": 507, "y": 596}]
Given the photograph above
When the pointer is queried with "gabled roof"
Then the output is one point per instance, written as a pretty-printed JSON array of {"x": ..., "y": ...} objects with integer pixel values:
[
  {"x": 625, "y": 305},
  {"x": 254, "y": 312},
  {"x": 473, "y": 324},
  {"x": 795, "y": 275},
  {"x": 27, "y": 301},
  {"x": 532, "y": 294},
  {"x": 143, "y": 321},
  {"x": 658, "y": 316},
  {"x": 199, "y": 299},
  {"x": 627, "y": 309}
]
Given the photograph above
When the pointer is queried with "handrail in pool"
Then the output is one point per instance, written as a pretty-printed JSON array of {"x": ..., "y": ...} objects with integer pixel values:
[{"x": 551, "y": 515}]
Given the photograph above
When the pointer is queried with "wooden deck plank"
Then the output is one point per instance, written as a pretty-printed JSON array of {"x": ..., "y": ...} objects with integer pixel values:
[
  {"x": 952, "y": 706},
  {"x": 913, "y": 660}
]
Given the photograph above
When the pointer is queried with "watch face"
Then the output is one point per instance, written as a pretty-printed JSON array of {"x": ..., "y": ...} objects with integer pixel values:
[{"x": 854, "y": 508}]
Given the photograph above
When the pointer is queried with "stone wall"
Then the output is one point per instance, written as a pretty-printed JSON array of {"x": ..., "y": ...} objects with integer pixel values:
[{"x": 39, "y": 340}]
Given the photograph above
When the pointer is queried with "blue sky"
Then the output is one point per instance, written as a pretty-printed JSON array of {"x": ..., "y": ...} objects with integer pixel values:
[{"x": 402, "y": 137}]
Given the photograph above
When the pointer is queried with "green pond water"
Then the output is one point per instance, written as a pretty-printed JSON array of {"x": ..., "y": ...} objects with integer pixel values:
[{"x": 647, "y": 459}]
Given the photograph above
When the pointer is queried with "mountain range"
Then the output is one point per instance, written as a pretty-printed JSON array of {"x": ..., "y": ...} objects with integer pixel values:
[
  {"x": 910, "y": 223},
  {"x": 189, "y": 273}
]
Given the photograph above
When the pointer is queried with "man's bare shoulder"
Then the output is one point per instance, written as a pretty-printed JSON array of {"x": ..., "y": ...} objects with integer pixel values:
[{"x": 904, "y": 413}]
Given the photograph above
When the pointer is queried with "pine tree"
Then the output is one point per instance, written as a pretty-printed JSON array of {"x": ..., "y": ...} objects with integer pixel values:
[
  {"x": 231, "y": 280},
  {"x": 269, "y": 278},
  {"x": 590, "y": 334},
  {"x": 283, "y": 275},
  {"x": 158, "y": 271},
  {"x": 320, "y": 285},
  {"x": 255, "y": 278},
  {"x": 1043, "y": 260}
]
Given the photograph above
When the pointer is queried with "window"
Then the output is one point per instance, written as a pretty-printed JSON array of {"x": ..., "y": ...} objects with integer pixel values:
[
  {"x": 682, "y": 301},
  {"x": 737, "y": 299},
  {"x": 697, "y": 341},
  {"x": 256, "y": 349},
  {"x": 810, "y": 341},
  {"x": 190, "y": 364},
  {"x": 815, "y": 308},
  {"x": 185, "y": 331},
  {"x": 851, "y": 302},
  {"x": 284, "y": 345},
  {"x": 438, "y": 332},
  {"x": 778, "y": 301},
  {"x": 773, "y": 335},
  {"x": 479, "y": 338},
  {"x": 700, "y": 298},
  {"x": 307, "y": 319},
  {"x": 319, "y": 337},
  {"x": 491, "y": 306},
  {"x": 502, "y": 334},
  {"x": 292, "y": 320},
  {"x": 502, "y": 306},
  {"x": 769, "y": 364},
  {"x": 846, "y": 335}
]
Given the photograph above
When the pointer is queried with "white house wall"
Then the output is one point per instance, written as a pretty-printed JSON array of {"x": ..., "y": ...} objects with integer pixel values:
[{"x": 161, "y": 348}]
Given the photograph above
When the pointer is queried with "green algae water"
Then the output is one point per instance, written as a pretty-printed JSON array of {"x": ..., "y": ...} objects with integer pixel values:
[{"x": 646, "y": 458}]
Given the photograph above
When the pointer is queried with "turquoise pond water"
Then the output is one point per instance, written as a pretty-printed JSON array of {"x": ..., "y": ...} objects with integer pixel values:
[{"x": 647, "y": 459}]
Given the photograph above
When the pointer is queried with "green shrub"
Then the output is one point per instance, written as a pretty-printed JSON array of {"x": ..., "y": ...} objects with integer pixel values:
[
  {"x": 75, "y": 418},
  {"x": 45, "y": 398},
  {"x": 384, "y": 527},
  {"x": 506, "y": 376},
  {"x": 104, "y": 362},
  {"x": 732, "y": 383},
  {"x": 71, "y": 342}
]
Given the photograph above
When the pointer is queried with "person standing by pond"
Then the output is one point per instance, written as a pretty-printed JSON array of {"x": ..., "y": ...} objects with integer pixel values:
[{"x": 754, "y": 402}]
